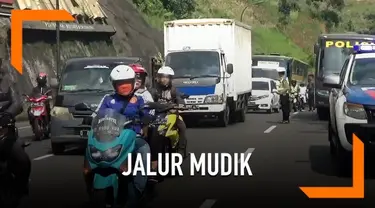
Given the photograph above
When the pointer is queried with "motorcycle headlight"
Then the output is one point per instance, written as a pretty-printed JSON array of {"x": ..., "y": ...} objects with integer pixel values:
[
  {"x": 356, "y": 111},
  {"x": 213, "y": 99},
  {"x": 324, "y": 93},
  {"x": 107, "y": 155}
]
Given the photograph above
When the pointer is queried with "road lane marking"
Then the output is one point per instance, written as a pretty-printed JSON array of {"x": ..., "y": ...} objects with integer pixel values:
[
  {"x": 71, "y": 149},
  {"x": 51, "y": 155},
  {"x": 295, "y": 113},
  {"x": 23, "y": 127},
  {"x": 248, "y": 151},
  {"x": 208, "y": 203},
  {"x": 267, "y": 131},
  {"x": 43, "y": 157}
]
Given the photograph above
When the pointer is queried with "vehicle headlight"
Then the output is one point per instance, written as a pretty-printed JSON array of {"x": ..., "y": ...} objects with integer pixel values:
[
  {"x": 108, "y": 155},
  {"x": 213, "y": 99},
  {"x": 263, "y": 96},
  {"x": 324, "y": 93},
  {"x": 356, "y": 111},
  {"x": 61, "y": 113}
]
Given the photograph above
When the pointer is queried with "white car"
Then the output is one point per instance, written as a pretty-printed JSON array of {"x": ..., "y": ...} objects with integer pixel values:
[
  {"x": 264, "y": 96},
  {"x": 352, "y": 105}
]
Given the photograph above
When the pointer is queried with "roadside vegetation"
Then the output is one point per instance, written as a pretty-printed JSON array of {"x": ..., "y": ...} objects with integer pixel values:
[{"x": 288, "y": 27}]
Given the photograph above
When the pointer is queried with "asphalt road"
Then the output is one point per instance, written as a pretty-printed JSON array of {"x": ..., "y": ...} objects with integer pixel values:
[{"x": 286, "y": 156}]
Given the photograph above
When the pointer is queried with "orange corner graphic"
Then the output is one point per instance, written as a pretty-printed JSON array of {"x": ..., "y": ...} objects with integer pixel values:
[
  {"x": 357, "y": 190},
  {"x": 17, "y": 18}
]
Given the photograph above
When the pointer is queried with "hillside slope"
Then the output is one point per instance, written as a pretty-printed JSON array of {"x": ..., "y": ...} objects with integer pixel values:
[
  {"x": 295, "y": 39},
  {"x": 134, "y": 37}
]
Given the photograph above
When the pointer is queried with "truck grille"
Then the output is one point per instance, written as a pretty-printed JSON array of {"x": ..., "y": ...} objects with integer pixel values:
[
  {"x": 199, "y": 100},
  {"x": 370, "y": 111},
  {"x": 81, "y": 114}
]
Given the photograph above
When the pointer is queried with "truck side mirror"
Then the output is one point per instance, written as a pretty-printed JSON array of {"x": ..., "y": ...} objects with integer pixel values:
[
  {"x": 54, "y": 83},
  {"x": 331, "y": 81},
  {"x": 316, "y": 48},
  {"x": 229, "y": 68}
]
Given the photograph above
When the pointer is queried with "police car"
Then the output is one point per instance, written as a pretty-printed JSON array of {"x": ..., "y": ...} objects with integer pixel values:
[{"x": 352, "y": 104}]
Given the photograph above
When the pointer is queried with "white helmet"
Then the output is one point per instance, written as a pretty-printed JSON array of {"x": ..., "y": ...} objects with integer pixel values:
[
  {"x": 166, "y": 70},
  {"x": 281, "y": 69},
  {"x": 122, "y": 73}
]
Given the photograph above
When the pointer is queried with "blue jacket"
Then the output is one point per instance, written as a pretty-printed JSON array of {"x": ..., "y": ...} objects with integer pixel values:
[{"x": 132, "y": 110}]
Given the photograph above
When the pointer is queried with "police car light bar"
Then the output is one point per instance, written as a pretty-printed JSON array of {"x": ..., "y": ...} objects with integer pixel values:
[{"x": 365, "y": 48}]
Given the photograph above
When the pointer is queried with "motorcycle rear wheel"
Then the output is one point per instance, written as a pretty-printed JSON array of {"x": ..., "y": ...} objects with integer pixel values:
[{"x": 38, "y": 131}]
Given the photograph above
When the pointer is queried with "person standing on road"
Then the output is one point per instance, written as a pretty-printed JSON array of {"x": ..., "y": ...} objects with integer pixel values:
[
  {"x": 293, "y": 95},
  {"x": 283, "y": 89},
  {"x": 310, "y": 92},
  {"x": 302, "y": 94}
]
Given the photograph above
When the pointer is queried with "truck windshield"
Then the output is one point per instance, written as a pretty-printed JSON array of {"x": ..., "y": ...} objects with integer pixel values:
[
  {"x": 266, "y": 73},
  {"x": 363, "y": 72},
  {"x": 270, "y": 61},
  {"x": 194, "y": 63},
  {"x": 257, "y": 85},
  {"x": 334, "y": 55},
  {"x": 86, "y": 78}
]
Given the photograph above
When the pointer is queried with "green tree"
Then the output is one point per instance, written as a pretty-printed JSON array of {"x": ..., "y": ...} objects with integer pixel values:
[
  {"x": 327, "y": 10},
  {"x": 180, "y": 8},
  {"x": 371, "y": 21},
  {"x": 286, "y": 7}
]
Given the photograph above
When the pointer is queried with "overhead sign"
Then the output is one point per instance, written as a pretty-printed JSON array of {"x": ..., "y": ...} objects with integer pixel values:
[{"x": 268, "y": 63}]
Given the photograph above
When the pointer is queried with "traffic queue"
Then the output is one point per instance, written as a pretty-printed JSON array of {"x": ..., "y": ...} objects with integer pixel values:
[
  {"x": 113, "y": 114},
  {"x": 205, "y": 76}
]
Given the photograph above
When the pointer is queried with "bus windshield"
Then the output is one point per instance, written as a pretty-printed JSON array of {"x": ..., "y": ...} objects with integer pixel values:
[
  {"x": 270, "y": 61},
  {"x": 265, "y": 72},
  {"x": 335, "y": 52}
]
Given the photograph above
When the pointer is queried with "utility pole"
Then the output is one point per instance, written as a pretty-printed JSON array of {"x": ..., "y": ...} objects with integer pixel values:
[{"x": 58, "y": 42}]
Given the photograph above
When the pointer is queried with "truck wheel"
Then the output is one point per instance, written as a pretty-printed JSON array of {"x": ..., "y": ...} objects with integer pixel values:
[
  {"x": 322, "y": 113},
  {"x": 57, "y": 149},
  {"x": 224, "y": 117},
  {"x": 242, "y": 114}
]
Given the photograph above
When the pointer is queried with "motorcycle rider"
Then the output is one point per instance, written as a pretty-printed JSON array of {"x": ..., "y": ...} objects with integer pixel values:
[
  {"x": 38, "y": 90},
  {"x": 141, "y": 89},
  {"x": 126, "y": 102},
  {"x": 294, "y": 93},
  {"x": 164, "y": 92},
  {"x": 302, "y": 94},
  {"x": 283, "y": 89},
  {"x": 18, "y": 161}
]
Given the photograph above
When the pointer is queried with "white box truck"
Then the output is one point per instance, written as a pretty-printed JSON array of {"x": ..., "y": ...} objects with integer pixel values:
[{"x": 212, "y": 63}]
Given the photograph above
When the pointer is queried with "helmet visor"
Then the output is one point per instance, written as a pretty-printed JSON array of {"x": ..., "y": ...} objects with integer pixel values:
[{"x": 125, "y": 87}]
